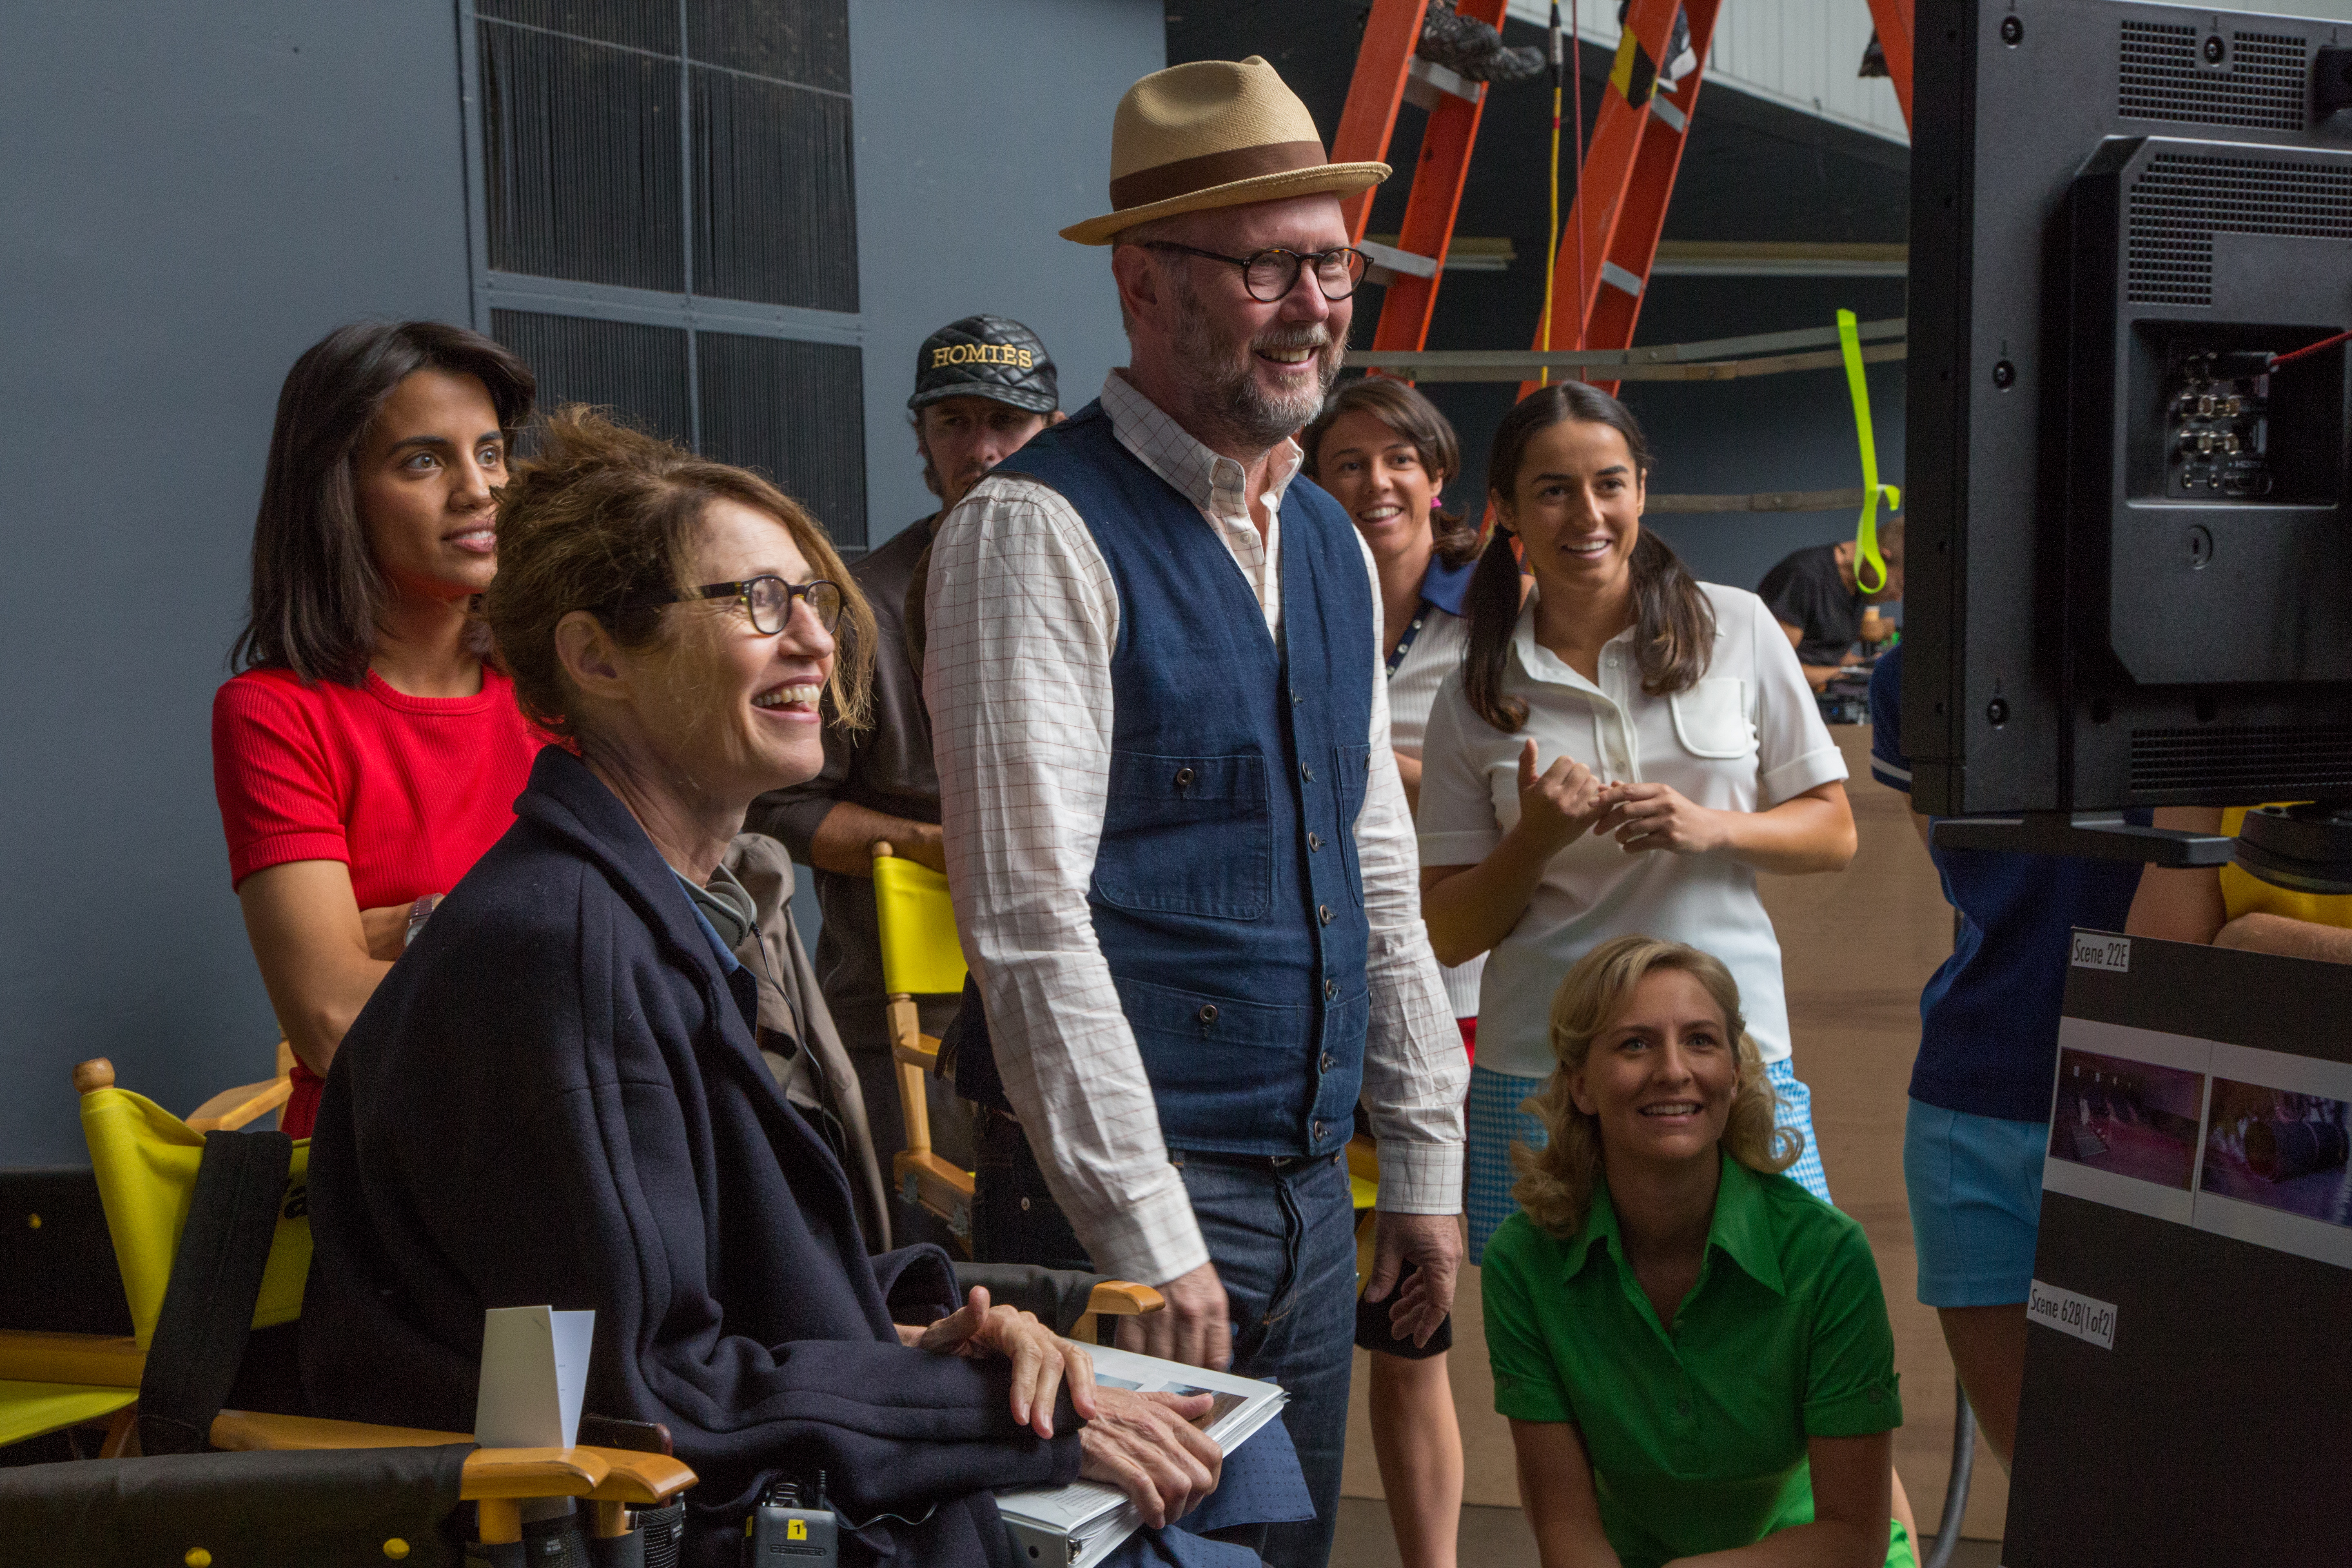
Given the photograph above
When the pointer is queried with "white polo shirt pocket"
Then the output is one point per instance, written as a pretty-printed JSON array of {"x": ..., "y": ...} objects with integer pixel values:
[{"x": 1711, "y": 719}]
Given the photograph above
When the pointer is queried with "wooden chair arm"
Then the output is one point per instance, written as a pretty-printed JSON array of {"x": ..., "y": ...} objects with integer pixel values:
[
  {"x": 250, "y": 1431},
  {"x": 1124, "y": 1299},
  {"x": 641, "y": 1480},
  {"x": 233, "y": 1108},
  {"x": 608, "y": 1475},
  {"x": 103, "y": 1360},
  {"x": 533, "y": 1473},
  {"x": 924, "y": 1053}
]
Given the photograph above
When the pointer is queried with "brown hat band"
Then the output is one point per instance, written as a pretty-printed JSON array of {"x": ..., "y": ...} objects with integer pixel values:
[{"x": 1186, "y": 175}]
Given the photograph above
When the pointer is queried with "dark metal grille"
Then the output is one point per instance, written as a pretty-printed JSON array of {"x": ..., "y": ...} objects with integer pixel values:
[
  {"x": 2276, "y": 761},
  {"x": 807, "y": 43},
  {"x": 639, "y": 371},
  {"x": 776, "y": 220},
  {"x": 797, "y": 412},
  {"x": 581, "y": 171},
  {"x": 2264, "y": 87},
  {"x": 2180, "y": 202},
  {"x": 586, "y": 145},
  {"x": 634, "y": 23}
]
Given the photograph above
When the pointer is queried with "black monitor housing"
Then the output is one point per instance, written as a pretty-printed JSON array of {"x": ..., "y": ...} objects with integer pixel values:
[{"x": 2130, "y": 537}]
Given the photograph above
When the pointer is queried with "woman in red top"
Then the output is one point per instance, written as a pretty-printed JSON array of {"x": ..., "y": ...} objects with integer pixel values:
[{"x": 365, "y": 756}]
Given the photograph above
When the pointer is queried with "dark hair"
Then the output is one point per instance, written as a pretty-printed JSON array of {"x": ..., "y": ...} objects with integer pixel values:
[
  {"x": 1401, "y": 407},
  {"x": 603, "y": 514},
  {"x": 1674, "y": 624},
  {"x": 317, "y": 590}
]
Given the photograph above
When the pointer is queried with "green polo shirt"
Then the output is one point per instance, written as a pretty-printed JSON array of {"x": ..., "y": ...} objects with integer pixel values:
[{"x": 1697, "y": 1436}]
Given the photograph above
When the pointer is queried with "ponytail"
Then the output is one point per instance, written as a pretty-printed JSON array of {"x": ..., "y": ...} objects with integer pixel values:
[
  {"x": 1493, "y": 604},
  {"x": 1673, "y": 621}
]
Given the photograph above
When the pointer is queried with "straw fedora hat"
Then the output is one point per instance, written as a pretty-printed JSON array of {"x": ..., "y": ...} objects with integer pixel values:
[{"x": 1213, "y": 135}]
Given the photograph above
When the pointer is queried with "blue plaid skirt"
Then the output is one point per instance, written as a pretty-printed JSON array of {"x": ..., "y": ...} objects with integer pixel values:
[{"x": 1495, "y": 1120}]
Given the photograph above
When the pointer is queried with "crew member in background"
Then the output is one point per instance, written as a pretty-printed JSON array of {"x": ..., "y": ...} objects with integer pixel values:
[
  {"x": 2225, "y": 906},
  {"x": 1181, "y": 859},
  {"x": 1385, "y": 453},
  {"x": 983, "y": 386},
  {"x": 1813, "y": 594},
  {"x": 1979, "y": 1114}
]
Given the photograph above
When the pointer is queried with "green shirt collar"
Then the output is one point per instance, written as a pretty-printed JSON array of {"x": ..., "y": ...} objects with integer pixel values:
[{"x": 1740, "y": 1228}]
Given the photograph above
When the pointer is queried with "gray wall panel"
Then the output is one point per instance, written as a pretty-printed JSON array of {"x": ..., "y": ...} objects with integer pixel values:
[
  {"x": 982, "y": 130},
  {"x": 196, "y": 193}
]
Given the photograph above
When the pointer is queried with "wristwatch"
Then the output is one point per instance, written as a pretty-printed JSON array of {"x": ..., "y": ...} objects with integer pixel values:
[{"x": 418, "y": 913}]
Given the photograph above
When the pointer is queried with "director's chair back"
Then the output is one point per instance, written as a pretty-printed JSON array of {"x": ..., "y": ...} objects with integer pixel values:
[
  {"x": 145, "y": 1159},
  {"x": 921, "y": 956}
]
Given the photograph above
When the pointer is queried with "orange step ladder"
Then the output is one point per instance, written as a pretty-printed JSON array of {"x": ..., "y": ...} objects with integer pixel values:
[{"x": 1609, "y": 237}]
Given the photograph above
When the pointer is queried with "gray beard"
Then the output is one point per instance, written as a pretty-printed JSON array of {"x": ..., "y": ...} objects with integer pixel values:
[{"x": 1229, "y": 394}]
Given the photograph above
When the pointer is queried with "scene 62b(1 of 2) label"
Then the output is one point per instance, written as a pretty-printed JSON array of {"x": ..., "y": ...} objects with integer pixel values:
[
  {"x": 2096, "y": 949},
  {"x": 2069, "y": 1313}
]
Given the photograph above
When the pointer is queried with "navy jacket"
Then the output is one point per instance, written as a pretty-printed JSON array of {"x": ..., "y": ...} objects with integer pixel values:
[{"x": 553, "y": 1099}]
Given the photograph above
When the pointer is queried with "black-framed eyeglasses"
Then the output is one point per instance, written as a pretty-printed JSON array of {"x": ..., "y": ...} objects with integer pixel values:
[
  {"x": 1268, "y": 275},
  {"x": 767, "y": 599}
]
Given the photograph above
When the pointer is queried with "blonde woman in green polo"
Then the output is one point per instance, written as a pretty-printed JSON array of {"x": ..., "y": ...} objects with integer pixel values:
[{"x": 1692, "y": 1350}]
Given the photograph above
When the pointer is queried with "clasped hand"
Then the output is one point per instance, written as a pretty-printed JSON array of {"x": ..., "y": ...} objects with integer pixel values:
[
  {"x": 1143, "y": 1444},
  {"x": 1566, "y": 801}
]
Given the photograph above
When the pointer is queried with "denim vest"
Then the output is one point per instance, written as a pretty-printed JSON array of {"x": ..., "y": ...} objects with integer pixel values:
[{"x": 1226, "y": 895}]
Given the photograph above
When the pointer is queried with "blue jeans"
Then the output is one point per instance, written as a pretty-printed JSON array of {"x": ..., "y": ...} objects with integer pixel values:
[{"x": 1282, "y": 1235}]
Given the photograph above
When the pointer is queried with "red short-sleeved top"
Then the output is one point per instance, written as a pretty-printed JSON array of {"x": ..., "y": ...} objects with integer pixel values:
[{"x": 406, "y": 791}]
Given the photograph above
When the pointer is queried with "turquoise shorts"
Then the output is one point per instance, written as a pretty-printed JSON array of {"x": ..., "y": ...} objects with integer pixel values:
[{"x": 1975, "y": 1184}]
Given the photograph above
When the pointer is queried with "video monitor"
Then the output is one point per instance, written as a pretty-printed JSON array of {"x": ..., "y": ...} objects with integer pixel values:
[{"x": 2130, "y": 528}]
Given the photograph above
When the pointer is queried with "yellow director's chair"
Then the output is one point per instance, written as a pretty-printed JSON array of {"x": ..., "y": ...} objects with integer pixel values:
[
  {"x": 923, "y": 956},
  {"x": 146, "y": 1160}
]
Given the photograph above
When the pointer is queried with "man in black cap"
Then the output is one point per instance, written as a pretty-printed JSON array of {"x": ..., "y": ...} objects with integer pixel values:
[{"x": 983, "y": 386}]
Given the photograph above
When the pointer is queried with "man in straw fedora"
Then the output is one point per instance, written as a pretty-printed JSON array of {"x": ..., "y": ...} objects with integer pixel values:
[{"x": 1181, "y": 856}]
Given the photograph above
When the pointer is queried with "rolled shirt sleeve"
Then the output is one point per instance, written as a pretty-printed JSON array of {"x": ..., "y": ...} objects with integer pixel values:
[
  {"x": 1023, "y": 618},
  {"x": 1527, "y": 1383},
  {"x": 1851, "y": 1389},
  {"x": 1794, "y": 751},
  {"x": 1415, "y": 1072},
  {"x": 1458, "y": 826}
]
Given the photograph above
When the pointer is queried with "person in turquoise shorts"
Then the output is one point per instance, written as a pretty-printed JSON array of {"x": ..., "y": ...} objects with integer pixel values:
[{"x": 1692, "y": 1349}]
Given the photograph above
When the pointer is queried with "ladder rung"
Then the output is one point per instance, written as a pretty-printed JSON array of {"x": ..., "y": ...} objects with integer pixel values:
[
  {"x": 1388, "y": 258},
  {"x": 1425, "y": 80}
]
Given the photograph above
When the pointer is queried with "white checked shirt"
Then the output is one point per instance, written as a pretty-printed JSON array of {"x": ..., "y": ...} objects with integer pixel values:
[{"x": 1023, "y": 618}]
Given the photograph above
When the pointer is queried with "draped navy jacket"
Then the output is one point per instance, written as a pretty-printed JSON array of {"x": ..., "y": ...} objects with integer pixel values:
[{"x": 552, "y": 1098}]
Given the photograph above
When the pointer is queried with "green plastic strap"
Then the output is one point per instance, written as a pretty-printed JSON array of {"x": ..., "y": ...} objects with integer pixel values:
[{"x": 1868, "y": 564}]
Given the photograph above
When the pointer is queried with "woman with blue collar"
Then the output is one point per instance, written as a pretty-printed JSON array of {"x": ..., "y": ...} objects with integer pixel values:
[
  {"x": 1385, "y": 453},
  {"x": 1623, "y": 753}
]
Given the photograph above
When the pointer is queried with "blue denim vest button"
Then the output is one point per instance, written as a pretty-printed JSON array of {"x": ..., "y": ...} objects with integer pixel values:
[
  {"x": 1208, "y": 1013},
  {"x": 1314, "y": 841},
  {"x": 1323, "y": 913},
  {"x": 1307, "y": 773},
  {"x": 1330, "y": 989},
  {"x": 1328, "y": 1062},
  {"x": 1183, "y": 778}
]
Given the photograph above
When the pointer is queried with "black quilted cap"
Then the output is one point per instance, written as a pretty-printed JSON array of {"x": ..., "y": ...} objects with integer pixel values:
[{"x": 986, "y": 356}]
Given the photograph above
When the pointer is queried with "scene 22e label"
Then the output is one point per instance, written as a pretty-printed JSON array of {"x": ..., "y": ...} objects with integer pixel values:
[{"x": 2112, "y": 953}]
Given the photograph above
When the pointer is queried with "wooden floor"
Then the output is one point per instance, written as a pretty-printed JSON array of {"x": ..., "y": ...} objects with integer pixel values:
[
  {"x": 1498, "y": 1538},
  {"x": 1856, "y": 948}
]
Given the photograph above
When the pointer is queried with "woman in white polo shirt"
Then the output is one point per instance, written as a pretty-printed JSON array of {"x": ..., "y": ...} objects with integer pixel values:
[{"x": 1621, "y": 755}]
